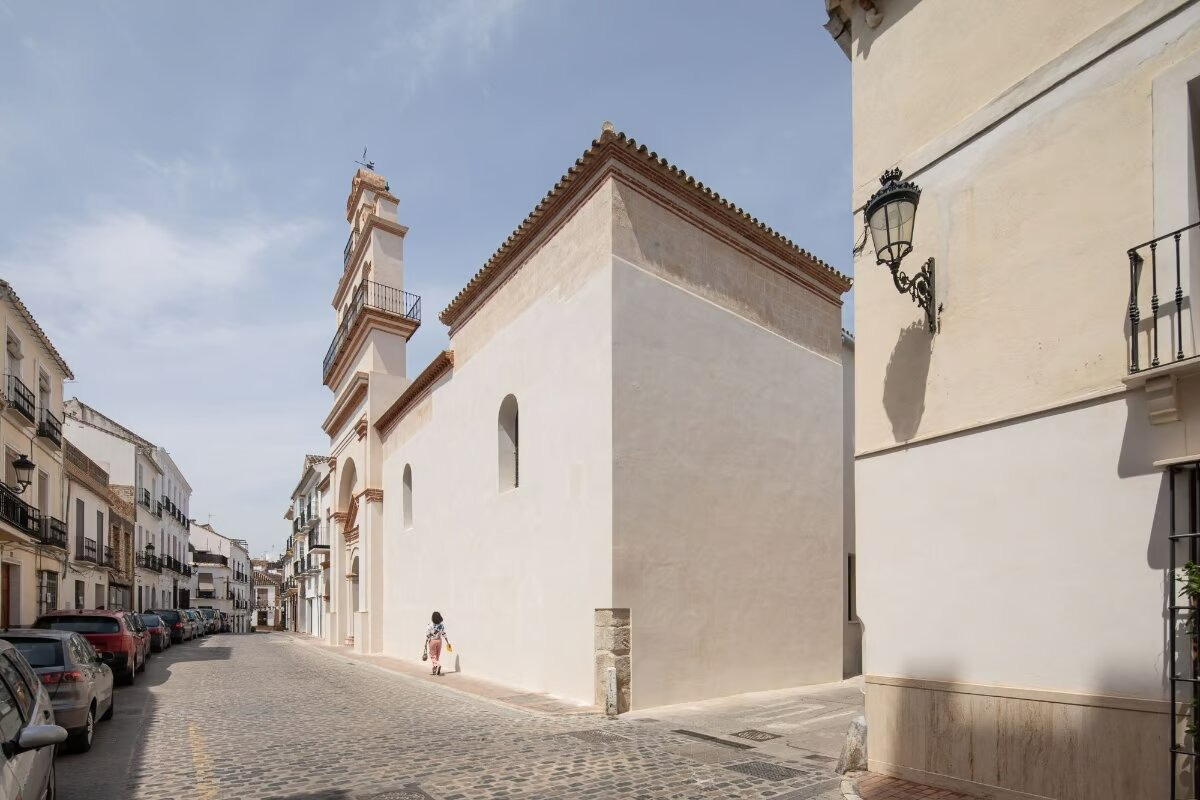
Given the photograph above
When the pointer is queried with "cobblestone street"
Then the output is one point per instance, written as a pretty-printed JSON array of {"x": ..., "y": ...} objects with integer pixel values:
[{"x": 267, "y": 716}]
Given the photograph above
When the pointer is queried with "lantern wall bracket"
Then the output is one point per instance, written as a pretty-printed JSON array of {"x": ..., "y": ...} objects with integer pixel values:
[{"x": 921, "y": 288}]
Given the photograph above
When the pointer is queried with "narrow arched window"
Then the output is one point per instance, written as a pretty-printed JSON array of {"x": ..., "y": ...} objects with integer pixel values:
[
  {"x": 509, "y": 444},
  {"x": 408, "y": 500}
]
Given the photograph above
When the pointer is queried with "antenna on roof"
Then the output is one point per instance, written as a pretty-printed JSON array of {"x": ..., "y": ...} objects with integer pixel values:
[{"x": 364, "y": 163}]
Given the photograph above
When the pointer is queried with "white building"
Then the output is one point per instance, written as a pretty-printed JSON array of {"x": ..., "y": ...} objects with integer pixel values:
[
  {"x": 161, "y": 494},
  {"x": 309, "y": 562},
  {"x": 631, "y": 456},
  {"x": 220, "y": 574},
  {"x": 93, "y": 558},
  {"x": 266, "y": 608},
  {"x": 1023, "y": 462}
]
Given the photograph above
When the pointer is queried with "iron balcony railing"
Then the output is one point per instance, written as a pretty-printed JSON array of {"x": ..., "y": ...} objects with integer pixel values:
[
  {"x": 108, "y": 558},
  {"x": 374, "y": 296},
  {"x": 146, "y": 561},
  {"x": 158, "y": 509},
  {"x": 204, "y": 557},
  {"x": 19, "y": 397},
  {"x": 314, "y": 539},
  {"x": 53, "y": 532},
  {"x": 49, "y": 427},
  {"x": 86, "y": 551},
  {"x": 18, "y": 513},
  {"x": 207, "y": 594},
  {"x": 348, "y": 249},
  {"x": 1166, "y": 310},
  {"x": 144, "y": 497}
]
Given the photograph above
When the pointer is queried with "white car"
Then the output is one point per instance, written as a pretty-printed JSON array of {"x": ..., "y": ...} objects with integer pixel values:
[{"x": 28, "y": 734}]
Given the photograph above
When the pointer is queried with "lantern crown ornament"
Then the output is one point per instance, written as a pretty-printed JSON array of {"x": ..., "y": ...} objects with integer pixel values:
[{"x": 891, "y": 216}]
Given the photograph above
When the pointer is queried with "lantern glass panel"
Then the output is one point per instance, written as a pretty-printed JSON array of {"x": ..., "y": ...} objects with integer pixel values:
[
  {"x": 892, "y": 229},
  {"x": 23, "y": 468}
]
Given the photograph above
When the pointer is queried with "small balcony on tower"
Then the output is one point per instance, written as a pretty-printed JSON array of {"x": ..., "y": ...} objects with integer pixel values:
[{"x": 372, "y": 305}]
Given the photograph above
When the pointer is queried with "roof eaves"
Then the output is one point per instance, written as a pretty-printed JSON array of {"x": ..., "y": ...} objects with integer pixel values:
[{"x": 7, "y": 289}]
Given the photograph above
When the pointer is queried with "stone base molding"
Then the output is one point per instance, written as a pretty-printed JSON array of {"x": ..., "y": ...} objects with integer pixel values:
[
  {"x": 612, "y": 644},
  {"x": 1012, "y": 743}
]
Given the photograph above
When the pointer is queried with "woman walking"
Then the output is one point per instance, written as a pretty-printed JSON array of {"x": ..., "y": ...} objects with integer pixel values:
[{"x": 433, "y": 643}]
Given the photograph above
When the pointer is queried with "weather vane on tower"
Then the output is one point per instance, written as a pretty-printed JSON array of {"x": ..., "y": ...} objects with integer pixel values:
[{"x": 363, "y": 162}]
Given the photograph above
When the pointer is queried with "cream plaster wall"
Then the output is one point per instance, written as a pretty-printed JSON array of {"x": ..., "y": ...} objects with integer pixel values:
[
  {"x": 1031, "y": 257},
  {"x": 727, "y": 498},
  {"x": 1030, "y": 554},
  {"x": 851, "y": 626},
  {"x": 517, "y": 573},
  {"x": 900, "y": 72}
]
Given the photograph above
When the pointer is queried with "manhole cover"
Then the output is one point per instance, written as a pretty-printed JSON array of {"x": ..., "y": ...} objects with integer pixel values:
[
  {"x": 597, "y": 737},
  {"x": 401, "y": 794},
  {"x": 756, "y": 736},
  {"x": 765, "y": 769}
]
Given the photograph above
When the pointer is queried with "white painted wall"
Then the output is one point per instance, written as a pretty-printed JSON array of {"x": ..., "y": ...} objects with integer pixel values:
[
  {"x": 727, "y": 540},
  {"x": 517, "y": 574},
  {"x": 1022, "y": 555}
]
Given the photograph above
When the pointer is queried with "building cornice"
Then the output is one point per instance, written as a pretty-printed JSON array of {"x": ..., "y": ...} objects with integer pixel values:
[
  {"x": 442, "y": 363},
  {"x": 368, "y": 319},
  {"x": 344, "y": 407},
  {"x": 7, "y": 291},
  {"x": 617, "y": 147}
]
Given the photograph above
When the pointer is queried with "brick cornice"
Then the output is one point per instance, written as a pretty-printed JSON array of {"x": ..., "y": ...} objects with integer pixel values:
[
  {"x": 338, "y": 516},
  {"x": 615, "y": 148},
  {"x": 371, "y": 495},
  {"x": 442, "y": 363},
  {"x": 344, "y": 407}
]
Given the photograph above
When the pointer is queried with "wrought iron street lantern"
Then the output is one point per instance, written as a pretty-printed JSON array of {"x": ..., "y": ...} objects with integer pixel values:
[
  {"x": 150, "y": 549},
  {"x": 891, "y": 215},
  {"x": 23, "y": 469}
]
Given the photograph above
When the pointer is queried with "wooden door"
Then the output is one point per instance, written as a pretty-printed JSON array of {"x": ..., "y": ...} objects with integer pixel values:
[{"x": 5, "y": 604}]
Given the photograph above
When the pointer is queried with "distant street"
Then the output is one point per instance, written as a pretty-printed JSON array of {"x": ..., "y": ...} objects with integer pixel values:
[{"x": 266, "y": 716}]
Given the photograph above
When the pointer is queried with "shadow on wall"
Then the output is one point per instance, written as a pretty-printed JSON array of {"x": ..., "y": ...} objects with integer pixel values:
[
  {"x": 905, "y": 379},
  {"x": 1023, "y": 746}
]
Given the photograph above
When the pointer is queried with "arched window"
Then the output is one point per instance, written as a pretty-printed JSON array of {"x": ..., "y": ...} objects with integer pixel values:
[
  {"x": 408, "y": 523},
  {"x": 509, "y": 444}
]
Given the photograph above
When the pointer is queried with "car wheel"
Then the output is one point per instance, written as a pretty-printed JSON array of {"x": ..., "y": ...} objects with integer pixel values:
[
  {"x": 131, "y": 676},
  {"x": 83, "y": 740},
  {"x": 112, "y": 704},
  {"x": 142, "y": 666}
]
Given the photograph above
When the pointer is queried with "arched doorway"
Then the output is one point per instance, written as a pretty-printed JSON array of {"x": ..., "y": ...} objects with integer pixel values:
[{"x": 346, "y": 485}]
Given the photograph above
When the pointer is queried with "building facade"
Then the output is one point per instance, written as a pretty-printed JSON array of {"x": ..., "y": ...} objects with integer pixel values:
[
  {"x": 89, "y": 523},
  {"x": 35, "y": 547},
  {"x": 309, "y": 550},
  {"x": 160, "y": 496},
  {"x": 642, "y": 398},
  {"x": 266, "y": 603},
  {"x": 1022, "y": 464},
  {"x": 220, "y": 574}
]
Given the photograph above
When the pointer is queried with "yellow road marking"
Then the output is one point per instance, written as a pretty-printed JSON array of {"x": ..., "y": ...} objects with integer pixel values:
[{"x": 206, "y": 786}]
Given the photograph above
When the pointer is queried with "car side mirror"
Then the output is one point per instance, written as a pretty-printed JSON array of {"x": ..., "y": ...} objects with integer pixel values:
[{"x": 35, "y": 737}]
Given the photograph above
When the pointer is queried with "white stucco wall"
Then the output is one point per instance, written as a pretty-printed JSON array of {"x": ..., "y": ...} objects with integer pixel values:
[
  {"x": 1021, "y": 555},
  {"x": 518, "y": 573},
  {"x": 727, "y": 443}
]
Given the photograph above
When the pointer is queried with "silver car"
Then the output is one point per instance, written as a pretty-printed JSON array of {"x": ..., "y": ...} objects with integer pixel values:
[
  {"x": 79, "y": 683},
  {"x": 27, "y": 731}
]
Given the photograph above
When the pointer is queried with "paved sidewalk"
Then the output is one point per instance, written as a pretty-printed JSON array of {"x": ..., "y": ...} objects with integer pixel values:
[{"x": 880, "y": 787}]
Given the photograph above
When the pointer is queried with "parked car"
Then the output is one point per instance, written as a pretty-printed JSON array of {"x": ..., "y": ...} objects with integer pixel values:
[
  {"x": 211, "y": 620},
  {"x": 111, "y": 633},
  {"x": 27, "y": 729},
  {"x": 177, "y": 623},
  {"x": 160, "y": 634},
  {"x": 78, "y": 681},
  {"x": 135, "y": 621},
  {"x": 198, "y": 626}
]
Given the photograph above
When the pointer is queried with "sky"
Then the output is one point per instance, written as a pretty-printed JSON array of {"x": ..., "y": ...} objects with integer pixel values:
[{"x": 173, "y": 180}]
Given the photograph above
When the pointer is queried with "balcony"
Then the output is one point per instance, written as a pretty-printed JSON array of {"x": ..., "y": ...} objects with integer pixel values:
[
  {"x": 376, "y": 298},
  {"x": 18, "y": 513},
  {"x": 158, "y": 509},
  {"x": 349, "y": 248},
  {"x": 86, "y": 551},
  {"x": 148, "y": 562},
  {"x": 314, "y": 539},
  {"x": 207, "y": 594},
  {"x": 203, "y": 557},
  {"x": 144, "y": 498},
  {"x": 173, "y": 564},
  {"x": 108, "y": 558},
  {"x": 49, "y": 427},
  {"x": 19, "y": 397},
  {"x": 53, "y": 533}
]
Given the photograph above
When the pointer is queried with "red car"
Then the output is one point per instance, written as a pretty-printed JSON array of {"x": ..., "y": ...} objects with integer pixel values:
[{"x": 111, "y": 633}]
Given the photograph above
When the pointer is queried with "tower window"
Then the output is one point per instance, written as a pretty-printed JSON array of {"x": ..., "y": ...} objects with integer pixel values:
[{"x": 509, "y": 444}]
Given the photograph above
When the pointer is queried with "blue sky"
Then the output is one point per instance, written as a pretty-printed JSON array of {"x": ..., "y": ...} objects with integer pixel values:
[{"x": 174, "y": 179}]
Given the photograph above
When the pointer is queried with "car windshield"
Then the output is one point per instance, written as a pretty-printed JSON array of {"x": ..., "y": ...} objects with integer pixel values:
[
  {"x": 40, "y": 652},
  {"x": 79, "y": 624},
  {"x": 167, "y": 615},
  {"x": 151, "y": 620},
  {"x": 207, "y": 613}
]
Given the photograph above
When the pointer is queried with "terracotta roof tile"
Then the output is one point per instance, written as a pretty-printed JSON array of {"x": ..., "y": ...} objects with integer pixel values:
[
  {"x": 6, "y": 288},
  {"x": 613, "y": 143}
]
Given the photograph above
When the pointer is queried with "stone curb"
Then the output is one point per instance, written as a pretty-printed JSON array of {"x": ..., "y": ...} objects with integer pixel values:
[{"x": 850, "y": 788}]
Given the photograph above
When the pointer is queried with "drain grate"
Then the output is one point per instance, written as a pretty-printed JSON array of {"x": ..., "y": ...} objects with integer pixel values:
[
  {"x": 597, "y": 737},
  {"x": 715, "y": 740},
  {"x": 755, "y": 736},
  {"x": 401, "y": 794},
  {"x": 765, "y": 769}
]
